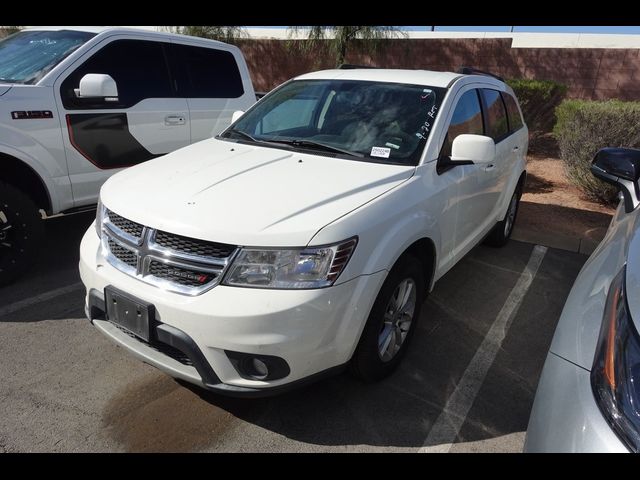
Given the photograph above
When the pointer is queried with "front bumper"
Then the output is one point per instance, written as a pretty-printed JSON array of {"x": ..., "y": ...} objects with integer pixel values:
[
  {"x": 565, "y": 417},
  {"x": 314, "y": 331}
]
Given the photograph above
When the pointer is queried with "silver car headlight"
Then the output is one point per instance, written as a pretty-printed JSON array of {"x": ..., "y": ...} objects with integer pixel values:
[
  {"x": 99, "y": 218},
  {"x": 615, "y": 376},
  {"x": 304, "y": 268}
]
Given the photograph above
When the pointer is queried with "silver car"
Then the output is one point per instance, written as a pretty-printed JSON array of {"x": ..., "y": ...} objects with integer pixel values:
[{"x": 588, "y": 397}]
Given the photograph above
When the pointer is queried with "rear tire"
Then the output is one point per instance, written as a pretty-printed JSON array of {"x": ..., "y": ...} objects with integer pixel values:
[
  {"x": 371, "y": 360},
  {"x": 21, "y": 230},
  {"x": 501, "y": 233}
]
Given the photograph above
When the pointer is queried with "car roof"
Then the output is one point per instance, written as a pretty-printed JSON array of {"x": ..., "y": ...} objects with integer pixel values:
[
  {"x": 392, "y": 75},
  {"x": 124, "y": 30}
]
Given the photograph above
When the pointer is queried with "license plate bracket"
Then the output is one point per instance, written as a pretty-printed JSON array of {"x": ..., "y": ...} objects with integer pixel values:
[{"x": 128, "y": 312}]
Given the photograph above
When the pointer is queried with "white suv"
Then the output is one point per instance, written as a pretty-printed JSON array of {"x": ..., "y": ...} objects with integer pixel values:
[
  {"x": 306, "y": 236},
  {"x": 78, "y": 104}
]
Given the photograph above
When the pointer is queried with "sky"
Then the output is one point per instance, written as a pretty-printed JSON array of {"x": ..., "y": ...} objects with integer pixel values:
[{"x": 553, "y": 29}]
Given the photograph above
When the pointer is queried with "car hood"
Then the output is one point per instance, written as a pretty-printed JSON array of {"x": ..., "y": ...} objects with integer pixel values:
[
  {"x": 247, "y": 195},
  {"x": 4, "y": 88}
]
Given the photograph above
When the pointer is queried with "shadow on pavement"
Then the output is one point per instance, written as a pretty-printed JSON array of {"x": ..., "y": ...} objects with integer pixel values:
[
  {"x": 57, "y": 264},
  {"x": 399, "y": 411}
]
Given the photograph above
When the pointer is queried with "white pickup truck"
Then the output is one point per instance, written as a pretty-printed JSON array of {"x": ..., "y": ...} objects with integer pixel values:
[{"x": 78, "y": 104}]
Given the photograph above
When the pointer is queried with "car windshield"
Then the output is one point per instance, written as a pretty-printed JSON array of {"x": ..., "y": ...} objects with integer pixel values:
[
  {"x": 27, "y": 56},
  {"x": 372, "y": 121}
]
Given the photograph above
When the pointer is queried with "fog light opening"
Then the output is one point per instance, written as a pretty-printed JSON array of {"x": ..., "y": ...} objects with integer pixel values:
[{"x": 260, "y": 369}]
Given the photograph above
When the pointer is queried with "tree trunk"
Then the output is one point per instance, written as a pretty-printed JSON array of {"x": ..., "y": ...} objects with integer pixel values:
[{"x": 342, "y": 46}]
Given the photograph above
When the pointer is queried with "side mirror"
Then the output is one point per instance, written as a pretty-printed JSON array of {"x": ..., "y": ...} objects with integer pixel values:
[
  {"x": 620, "y": 167},
  {"x": 98, "y": 85},
  {"x": 476, "y": 149},
  {"x": 236, "y": 115}
]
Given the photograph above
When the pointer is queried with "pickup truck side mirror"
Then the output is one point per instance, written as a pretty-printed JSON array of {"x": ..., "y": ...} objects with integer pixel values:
[
  {"x": 236, "y": 115},
  {"x": 620, "y": 167},
  {"x": 98, "y": 85},
  {"x": 473, "y": 149}
]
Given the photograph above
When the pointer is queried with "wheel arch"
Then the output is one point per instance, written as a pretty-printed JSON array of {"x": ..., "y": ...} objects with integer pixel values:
[{"x": 22, "y": 176}]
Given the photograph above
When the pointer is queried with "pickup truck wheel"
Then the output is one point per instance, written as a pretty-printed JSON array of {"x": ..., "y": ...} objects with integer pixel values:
[
  {"x": 391, "y": 323},
  {"x": 501, "y": 233},
  {"x": 20, "y": 231}
]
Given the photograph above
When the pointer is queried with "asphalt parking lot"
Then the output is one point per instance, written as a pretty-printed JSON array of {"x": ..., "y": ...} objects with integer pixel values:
[{"x": 466, "y": 385}]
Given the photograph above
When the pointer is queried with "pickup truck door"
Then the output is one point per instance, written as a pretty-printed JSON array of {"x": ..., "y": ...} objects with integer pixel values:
[
  {"x": 215, "y": 82},
  {"x": 147, "y": 120}
]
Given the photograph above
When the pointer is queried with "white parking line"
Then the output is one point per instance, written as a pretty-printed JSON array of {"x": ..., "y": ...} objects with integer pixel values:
[
  {"x": 43, "y": 297},
  {"x": 447, "y": 426}
]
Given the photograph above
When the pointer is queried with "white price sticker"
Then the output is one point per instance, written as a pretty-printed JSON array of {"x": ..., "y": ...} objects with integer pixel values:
[{"x": 380, "y": 152}]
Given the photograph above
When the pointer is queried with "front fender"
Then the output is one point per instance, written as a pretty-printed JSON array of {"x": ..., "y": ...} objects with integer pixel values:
[
  {"x": 386, "y": 227},
  {"x": 58, "y": 189}
]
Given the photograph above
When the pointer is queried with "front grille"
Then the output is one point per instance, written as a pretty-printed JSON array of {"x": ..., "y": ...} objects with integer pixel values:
[
  {"x": 181, "y": 276},
  {"x": 192, "y": 246},
  {"x": 167, "y": 260},
  {"x": 123, "y": 254},
  {"x": 132, "y": 228},
  {"x": 161, "y": 347}
]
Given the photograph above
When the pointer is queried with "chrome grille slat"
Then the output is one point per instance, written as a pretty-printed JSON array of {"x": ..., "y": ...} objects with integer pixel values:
[{"x": 192, "y": 271}]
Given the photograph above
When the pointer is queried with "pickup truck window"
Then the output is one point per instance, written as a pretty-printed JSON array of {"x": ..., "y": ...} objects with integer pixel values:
[
  {"x": 373, "y": 121},
  {"x": 138, "y": 68},
  {"x": 27, "y": 56},
  {"x": 206, "y": 72}
]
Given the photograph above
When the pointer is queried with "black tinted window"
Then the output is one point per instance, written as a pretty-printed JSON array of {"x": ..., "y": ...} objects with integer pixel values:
[
  {"x": 138, "y": 67},
  {"x": 496, "y": 115},
  {"x": 467, "y": 118},
  {"x": 207, "y": 73},
  {"x": 515, "y": 119}
]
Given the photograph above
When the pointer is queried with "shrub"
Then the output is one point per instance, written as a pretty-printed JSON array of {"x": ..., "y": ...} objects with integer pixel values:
[
  {"x": 538, "y": 100},
  {"x": 583, "y": 127}
]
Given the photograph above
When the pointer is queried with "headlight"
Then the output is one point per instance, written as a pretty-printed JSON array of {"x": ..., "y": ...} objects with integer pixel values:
[
  {"x": 313, "y": 267},
  {"x": 99, "y": 218},
  {"x": 615, "y": 376}
]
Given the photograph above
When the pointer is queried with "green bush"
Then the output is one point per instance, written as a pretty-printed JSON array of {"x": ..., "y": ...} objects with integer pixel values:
[
  {"x": 583, "y": 127},
  {"x": 538, "y": 100}
]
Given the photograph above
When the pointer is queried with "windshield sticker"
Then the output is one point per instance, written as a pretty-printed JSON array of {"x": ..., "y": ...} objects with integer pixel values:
[
  {"x": 426, "y": 126},
  {"x": 380, "y": 152},
  {"x": 392, "y": 145}
]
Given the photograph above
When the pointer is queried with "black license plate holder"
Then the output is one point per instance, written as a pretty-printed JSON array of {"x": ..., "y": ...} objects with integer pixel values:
[{"x": 128, "y": 312}]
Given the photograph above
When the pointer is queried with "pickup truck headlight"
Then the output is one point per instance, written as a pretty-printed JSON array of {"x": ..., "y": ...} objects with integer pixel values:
[
  {"x": 615, "y": 376},
  {"x": 99, "y": 218},
  {"x": 311, "y": 267}
]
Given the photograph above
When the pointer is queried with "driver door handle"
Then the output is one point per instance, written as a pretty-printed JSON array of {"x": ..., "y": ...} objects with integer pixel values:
[
  {"x": 174, "y": 120},
  {"x": 489, "y": 167}
]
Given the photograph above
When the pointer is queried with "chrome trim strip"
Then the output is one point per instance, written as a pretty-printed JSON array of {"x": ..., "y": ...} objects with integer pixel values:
[{"x": 124, "y": 236}]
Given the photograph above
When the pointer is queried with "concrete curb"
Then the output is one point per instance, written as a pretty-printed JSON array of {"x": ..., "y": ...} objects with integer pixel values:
[{"x": 583, "y": 245}]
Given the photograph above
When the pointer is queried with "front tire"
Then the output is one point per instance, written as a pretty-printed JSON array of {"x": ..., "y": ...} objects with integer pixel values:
[
  {"x": 391, "y": 323},
  {"x": 21, "y": 229},
  {"x": 501, "y": 233}
]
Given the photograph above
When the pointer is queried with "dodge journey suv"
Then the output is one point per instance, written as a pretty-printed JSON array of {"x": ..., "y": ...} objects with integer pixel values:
[{"x": 305, "y": 237}]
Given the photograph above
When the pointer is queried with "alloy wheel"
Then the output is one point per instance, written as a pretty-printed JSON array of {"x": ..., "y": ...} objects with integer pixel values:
[{"x": 397, "y": 319}]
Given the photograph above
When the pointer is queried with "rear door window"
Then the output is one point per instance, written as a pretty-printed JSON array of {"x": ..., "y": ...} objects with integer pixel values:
[
  {"x": 206, "y": 72},
  {"x": 496, "y": 115}
]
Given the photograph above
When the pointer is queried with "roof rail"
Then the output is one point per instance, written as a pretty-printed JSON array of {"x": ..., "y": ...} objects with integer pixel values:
[
  {"x": 349, "y": 66},
  {"x": 475, "y": 71}
]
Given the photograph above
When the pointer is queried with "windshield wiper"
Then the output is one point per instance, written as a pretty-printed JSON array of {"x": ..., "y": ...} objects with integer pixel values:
[
  {"x": 9, "y": 80},
  {"x": 317, "y": 146},
  {"x": 243, "y": 134}
]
